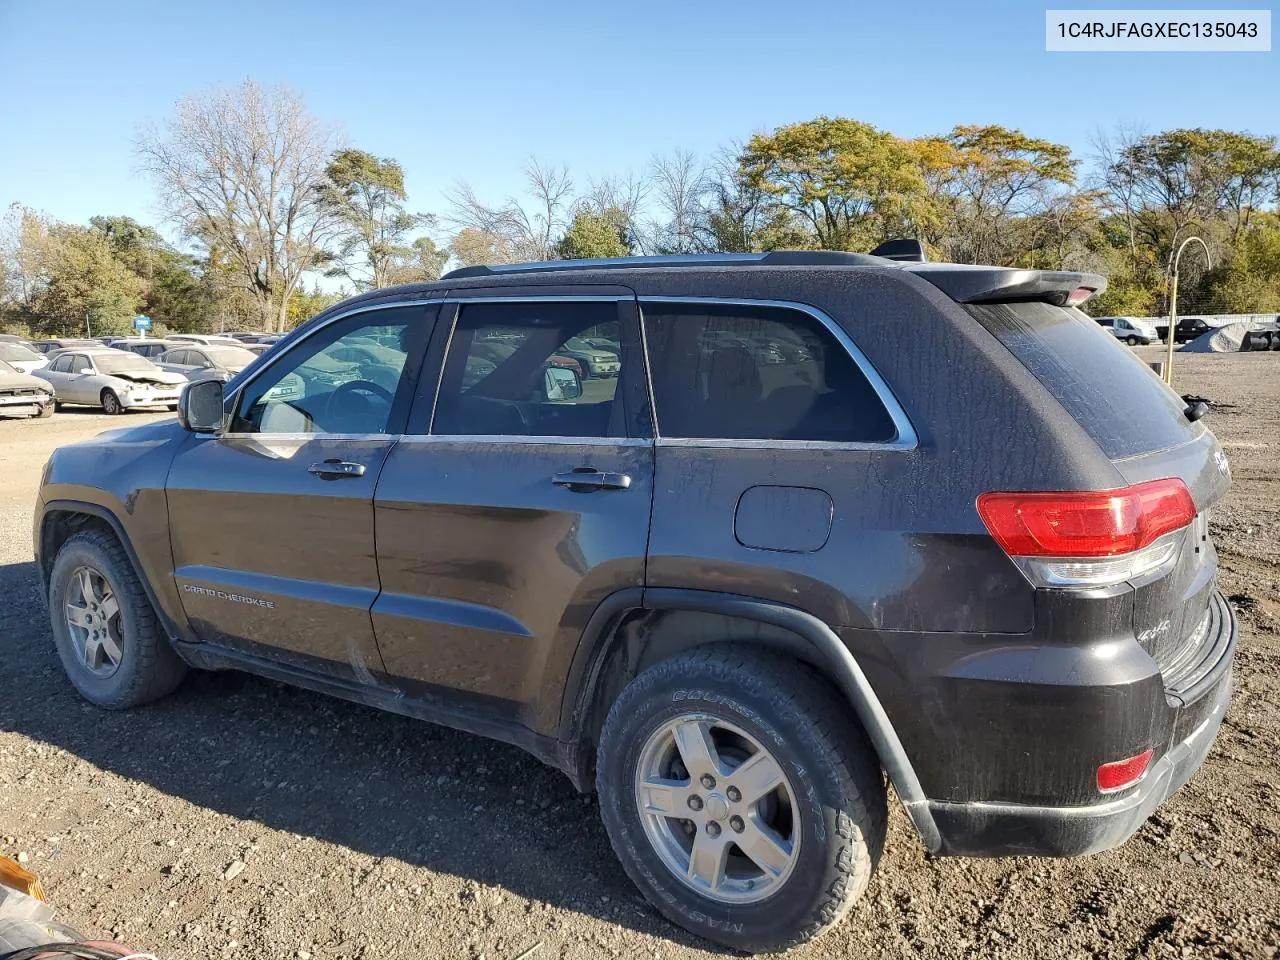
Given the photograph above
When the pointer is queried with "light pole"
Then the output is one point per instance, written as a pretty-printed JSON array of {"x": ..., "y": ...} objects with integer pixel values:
[{"x": 1173, "y": 302}]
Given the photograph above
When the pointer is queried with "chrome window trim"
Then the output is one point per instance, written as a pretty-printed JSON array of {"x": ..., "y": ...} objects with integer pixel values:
[
  {"x": 520, "y": 438},
  {"x": 906, "y": 438},
  {"x": 301, "y": 437}
]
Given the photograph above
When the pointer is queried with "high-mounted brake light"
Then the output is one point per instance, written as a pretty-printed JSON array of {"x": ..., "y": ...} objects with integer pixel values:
[
  {"x": 1079, "y": 295},
  {"x": 1123, "y": 773},
  {"x": 1090, "y": 537}
]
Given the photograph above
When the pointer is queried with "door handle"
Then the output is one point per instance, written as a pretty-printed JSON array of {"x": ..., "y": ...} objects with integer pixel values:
[
  {"x": 588, "y": 478},
  {"x": 336, "y": 469}
]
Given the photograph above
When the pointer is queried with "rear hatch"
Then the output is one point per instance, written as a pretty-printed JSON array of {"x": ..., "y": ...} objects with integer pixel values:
[{"x": 1140, "y": 424}]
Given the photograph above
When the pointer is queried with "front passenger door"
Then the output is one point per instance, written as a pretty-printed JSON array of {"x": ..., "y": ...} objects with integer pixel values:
[{"x": 271, "y": 522}]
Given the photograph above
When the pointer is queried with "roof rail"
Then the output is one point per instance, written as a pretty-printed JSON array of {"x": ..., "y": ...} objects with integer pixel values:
[{"x": 777, "y": 258}]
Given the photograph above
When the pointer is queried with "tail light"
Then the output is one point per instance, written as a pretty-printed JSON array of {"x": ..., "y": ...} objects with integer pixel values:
[
  {"x": 1090, "y": 537},
  {"x": 1123, "y": 773}
]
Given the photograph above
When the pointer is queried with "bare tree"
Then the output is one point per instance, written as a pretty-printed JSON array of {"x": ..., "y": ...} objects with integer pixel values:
[
  {"x": 619, "y": 200},
  {"x": 519, "y": 231},
  {"x": 241, "y": 171},
  {"x": 681, "y": 186}
]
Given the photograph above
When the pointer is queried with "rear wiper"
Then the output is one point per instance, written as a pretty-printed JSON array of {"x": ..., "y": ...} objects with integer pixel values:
[{"x": 1196, "y": 407}]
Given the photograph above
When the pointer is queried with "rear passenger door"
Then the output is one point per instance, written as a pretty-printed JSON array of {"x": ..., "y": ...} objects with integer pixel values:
[{"x": 515, "y": 506}]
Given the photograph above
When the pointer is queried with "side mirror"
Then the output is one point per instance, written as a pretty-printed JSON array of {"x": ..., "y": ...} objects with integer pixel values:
[
  {"x": 561, "y": 383},
  {"x": 200, "y": 406}
]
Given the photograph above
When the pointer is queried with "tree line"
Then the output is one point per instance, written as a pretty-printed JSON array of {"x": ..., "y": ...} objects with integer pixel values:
[{"x": 264, "y": 198}]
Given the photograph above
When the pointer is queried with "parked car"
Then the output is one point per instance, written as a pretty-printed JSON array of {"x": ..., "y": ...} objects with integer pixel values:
[
  {"x": 22, "y": 395},
  {"x": 148, "y": 347},
  {"x": 62, "y": 343},
  {"x": 203, "y": 338},
  {"x": 1129, "y": 329},
  {"x": 1186, "y": 330},
  {"x": 115, "y": 380},
  {"x": 594, "y": 361},
  {"x": 20, "y": 341},
  {"x": 729, "y": 595},
  {"x": 197, "y": 361},
  {"x": 23, "y": 359}
]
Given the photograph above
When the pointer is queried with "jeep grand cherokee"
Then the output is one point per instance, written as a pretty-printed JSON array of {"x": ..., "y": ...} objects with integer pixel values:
[{"x": 837, "y": 518}]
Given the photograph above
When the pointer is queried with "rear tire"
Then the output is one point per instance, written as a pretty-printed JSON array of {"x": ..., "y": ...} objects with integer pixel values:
[
  {"x": 816, "y": 836},
  {"x": 111, "y": 404},
  {"x": 133, "y": 662}
]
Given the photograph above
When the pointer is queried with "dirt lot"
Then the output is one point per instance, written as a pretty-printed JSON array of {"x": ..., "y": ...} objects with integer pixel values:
[{"x": 243, "y": 818}]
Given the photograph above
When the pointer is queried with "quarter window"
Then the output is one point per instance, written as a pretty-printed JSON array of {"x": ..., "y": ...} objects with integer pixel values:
[
  {"x": 539, "y": 369},
  {"x": 739, "y": 372}
]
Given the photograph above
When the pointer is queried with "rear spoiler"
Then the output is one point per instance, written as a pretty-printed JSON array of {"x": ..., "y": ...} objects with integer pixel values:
[{"x": 975, "y": 284}]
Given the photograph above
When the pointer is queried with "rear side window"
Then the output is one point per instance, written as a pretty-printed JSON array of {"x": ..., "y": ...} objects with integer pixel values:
[
  {"x": 739, "y": 372},
  {"x": 1112, "y": 394}
]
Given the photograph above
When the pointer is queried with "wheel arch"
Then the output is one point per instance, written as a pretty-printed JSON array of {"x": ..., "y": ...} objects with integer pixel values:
[
  {"x": 63, "y": 519},
  {"x": 633, "y": 629}
]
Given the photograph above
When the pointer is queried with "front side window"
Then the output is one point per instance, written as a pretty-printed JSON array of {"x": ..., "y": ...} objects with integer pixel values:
[
  {"x": 739, "y": 372},
  {"x": 319, "y": 386},
  {"x": 539, "y": 369}
]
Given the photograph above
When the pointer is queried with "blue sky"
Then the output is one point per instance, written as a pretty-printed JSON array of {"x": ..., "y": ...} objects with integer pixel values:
[{"x": 470, "y": 90}]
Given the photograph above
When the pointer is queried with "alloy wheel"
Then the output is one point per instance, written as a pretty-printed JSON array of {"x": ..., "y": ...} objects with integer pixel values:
[
  {"x": 718, "y": 809},
  {"x": 93, "y": 621}
]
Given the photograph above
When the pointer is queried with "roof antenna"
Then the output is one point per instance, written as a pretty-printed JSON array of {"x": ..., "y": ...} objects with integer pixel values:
[{"x": 910, "y": 251}]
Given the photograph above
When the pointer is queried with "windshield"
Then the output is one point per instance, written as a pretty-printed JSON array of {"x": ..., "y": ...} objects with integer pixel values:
[
  {"x": 124, "y": 363},
  {"x": 230, "y": 356},
  {"x": 16, "y": 351}
]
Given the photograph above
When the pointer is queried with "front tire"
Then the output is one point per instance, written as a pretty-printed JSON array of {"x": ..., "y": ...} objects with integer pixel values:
[
  {"x": 107, "y": 635},
  {"x": 1132, "y": 341},
  {"x": 46, "y": 411},
  {"x": 111, "y": 404},
  {"x": 741, "y": 797}
]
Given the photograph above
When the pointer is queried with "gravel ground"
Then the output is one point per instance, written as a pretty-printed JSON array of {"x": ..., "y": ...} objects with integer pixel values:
[{"x": 243, "y": 818}]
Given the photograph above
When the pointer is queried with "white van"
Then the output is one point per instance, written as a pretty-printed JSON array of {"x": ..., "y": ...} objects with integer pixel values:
[{"x": 1130, "y": 329}]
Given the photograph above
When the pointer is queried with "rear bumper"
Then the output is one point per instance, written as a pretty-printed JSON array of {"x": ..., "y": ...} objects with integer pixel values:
[{"x": 985, "y": 829}]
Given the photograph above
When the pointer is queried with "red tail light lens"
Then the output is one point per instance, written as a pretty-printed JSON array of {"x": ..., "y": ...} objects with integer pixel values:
[
  {"x": 1123, "y": 773},
  {"x": 1093, "y": 523},
  {"x": 1079, "y": 295}
]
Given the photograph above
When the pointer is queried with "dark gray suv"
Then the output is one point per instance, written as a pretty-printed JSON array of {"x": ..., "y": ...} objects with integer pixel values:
[{"x": 836, "y": 517}]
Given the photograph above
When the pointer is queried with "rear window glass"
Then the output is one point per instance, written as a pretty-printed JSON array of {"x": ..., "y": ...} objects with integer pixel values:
[
  {"x": 1114, "y": 396},
  {"x": 742, "y": 372}
]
